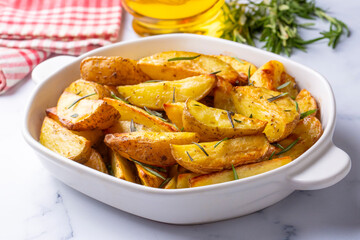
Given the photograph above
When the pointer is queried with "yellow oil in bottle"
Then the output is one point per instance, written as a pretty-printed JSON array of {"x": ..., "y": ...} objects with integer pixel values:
[{"x": 168, "y": 16}]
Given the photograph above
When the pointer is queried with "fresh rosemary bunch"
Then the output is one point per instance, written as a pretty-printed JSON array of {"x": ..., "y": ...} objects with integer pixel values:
[{"x": 276, "y": 23}]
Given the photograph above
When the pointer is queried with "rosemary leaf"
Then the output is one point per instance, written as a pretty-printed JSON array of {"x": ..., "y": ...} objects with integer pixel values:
[
  {"x": 277, "y": 97},
  {"x": 214, "y": 73},
  {"x": 236, "y": 177},
  {"x": 174, "y": 95},
  {"x": 132, "y": 126},
  {"x": 288, "y": 147},
  {"x": 155, "y": 113},
  {"x": 150, "y": 170},
  {"x": 160, "y": 169},
  {"x": 229, "y": 114},
  {"x": 153, "y": 81},
  {"x": 272, "y": 154},
  {"x": 307, "y": 113},
  {"x": 296, "y": 106},
  {"x": 74, "y": 115},
  {"x": 201, "y": 148},
  {"x": 220, "y": 142},
  {"x": 89, "y": 95},
  {"x": 283, "y": 85},
  {"x": 239, "y": 60},
  {"x": 164, "y": 182},
  {"x": 183, "y": 58},
  {"x": 117, "y": 98},
  {"x": 238, "y": 121},
  {"x": 191, "y": 159}
]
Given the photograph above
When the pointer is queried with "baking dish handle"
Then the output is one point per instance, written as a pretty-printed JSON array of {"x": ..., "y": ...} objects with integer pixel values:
[
  {"x": 329, "y": 169},
  {"x": 49, "y": 66}
]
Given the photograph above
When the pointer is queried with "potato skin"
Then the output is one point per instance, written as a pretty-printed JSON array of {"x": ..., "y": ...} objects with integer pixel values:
[
  {"x": 149, "y": 147},
  {"x": 281, "y": 114},
  {"x": 64, "y": 142},
  {"x": 96, "y": 162},
  {"x": 154, "y": 95},
  {"x": 122, "y": 168},
  {"x": 158, "y": 67},
  {"x": 111, "y": 71},
  {"x": 237, "y": 151},
  {"x": 243, "y": 171},
  {"x": 213, "y": 124},
  {"x": 86, "y": 114},
  {"x": 174, "y": 112}
]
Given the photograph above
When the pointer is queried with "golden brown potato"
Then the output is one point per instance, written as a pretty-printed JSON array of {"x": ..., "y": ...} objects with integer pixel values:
[
  {"x": 82, "y": 88},
  {"x": 154, "y": 95},
  {"x": 243, "y": 171},
  {"x": 287, "y": 84},
  {"x": 214, "y": 124},
  {"x": 268, "y": 75},
  {"x": 222, "y": 99},
  {"x": 281, "y": 114},
  {"x": 218, "y": 156},
  {"x": 149, "y": 179},
  {"x": 306, "y": 102},
  {"x": 85, "y": 114},
  {"x": 96, "y": 162},
  {"x": 159, "y": 67},
  {"x": 171, "y": 184},
  {"x": 183, "y": 180},
  {"x": 122, "y": 168},
  {"x": 64, "y": 142},
  {"x": 174, "y": 112},
  {"x": 241, "y": 66},
  {"x": 306, "y": 133},
  {"x": 94, "y": 136},
  {"x": 138, "y": 115},
  {"x": 149, "y": 147},
  {"x": 125, "y": 127},
  {"x": 111, "y": 71}
]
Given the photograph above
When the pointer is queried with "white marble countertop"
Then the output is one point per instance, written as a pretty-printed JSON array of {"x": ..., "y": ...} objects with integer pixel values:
[{"x": 35, "y": 205}]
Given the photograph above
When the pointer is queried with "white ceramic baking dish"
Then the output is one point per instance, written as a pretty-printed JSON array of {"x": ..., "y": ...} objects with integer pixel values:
[{"x": 321, "y": 166}]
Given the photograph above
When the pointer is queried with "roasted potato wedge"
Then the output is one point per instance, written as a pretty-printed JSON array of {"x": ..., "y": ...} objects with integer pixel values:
[
  {"x": 306, "y": 102},
  {"x": 306, "y": 133},
  {"x": 122, "y": 168},
  {"x": 174, "y": 112},
  {"x": 154, "y": 95},
  {"x": 111, "y": 71},
  {"x": 183, "y": 180},
  {"x": 241, "y": 66},
  {"x": 96, "y": 162},
  {"x": 125, "y": 127},
  {"x": 84, "y": 114},
  {"x": 222, "y": 99},
  {"x": 171, "y": 184},
  {"x": 138, "y": 115},
  {"x": 161, "y": 67},
  {"x": 149, "y": 147},
  {"x": 287, "y": 84},
  {"x": 243, "y": 171},
  {"x": 82, "y": 88},
  {"x": 215, "y": 124},
  {"x": 148, "y": 178},
  {"x": 219, "y": 156},
  {"x": 64, "y": 142},
  {"x": 94, "y": 136},
  {"x": 281, "y": 114}
]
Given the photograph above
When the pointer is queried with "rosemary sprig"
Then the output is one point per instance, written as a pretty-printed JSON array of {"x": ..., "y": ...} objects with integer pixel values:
[
  {"x": 74, "y": 115},
  {"x": 214, "y": 73},
  {"x": 283, "y": 85},
  {"x": 89, "y": 95},
  {"x": 229, "y": 114},
  {"x": 132, "y": 126},
  {"x": 174, "y": 95},
  {"x": 277, "y": 97},
  {"x": 155, "y": 113},
  {"x": 150, "y": 170},
  {"x": 153, "y": 81},
  {"x": 117, "y": 98},
  {"x": 201, "y": 148},
  {"x": 288, "y": 147},
  {"x": 160, "y": 169},
  {"x": 279, "y": 146},
  {"x": 183, "y": 58},
  {"x": 296, "y": 106},
  {"x": 251, "y": 116},
  {"x": 249, "y": 75},
  {"x": 276, "y": 24},
  {"x": 239, "y": 60},
  {"x": 236, "y": 177},
  {"x": 164, "y": 182},
  {"x": 238, "y": 121},
  {"x": 272, "y": 154},
  {"x": 220, "y": 142},
  {"x": 191, "y": 159},
  {"x": 182, "y": 129},
  {"x": 307, "y": 113}
]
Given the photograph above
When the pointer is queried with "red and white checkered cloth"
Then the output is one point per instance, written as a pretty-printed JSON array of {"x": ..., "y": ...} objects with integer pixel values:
[{"x": 32, "y": 29}]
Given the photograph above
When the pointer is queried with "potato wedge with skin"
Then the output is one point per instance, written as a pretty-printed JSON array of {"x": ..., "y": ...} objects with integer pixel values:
[
  {"x": 152, "y": 148},
  {"x": 268, "y": 75},
  {"x": 82, "y": 88},
  {"x": 94, "y": 136},
  {"x": 281, "y": 114},
  {"x": 290, "y": 87},
  {"x": 308, "y": 131},
  {"x": 85, "y": 114},
  {"x": 214, "y": 124},
  {"x": 237, "y": 151},
  {"x": 183, "y": 180},
  {"x": 149, "y": 179},
  {"x": 243, "y": 171},
  {"x": 158, "y": 67},
  {"x": 138, "y": 115},
  {"x": 125, "y": 127},
  {"x": 122, "y": 168},
  {"x": 306, "y": 102},
  {"x": 174, "y": 112},
  {"x": 222, "y": 99},
  {"x": 111, "y": 71},
  {"x": 154, "y": 95},
  {"x": 64, "y": 142},
  {"x": 171, "y": 184},
  {"x": 241, "y": 66},
  {"x": 96, "y": 162}
]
